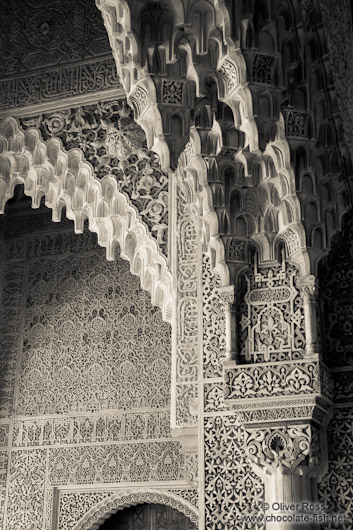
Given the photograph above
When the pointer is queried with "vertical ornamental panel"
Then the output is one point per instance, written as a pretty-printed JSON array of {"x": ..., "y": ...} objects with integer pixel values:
[
  {"x": 272, "y": 315},
  {"x": 25, "y": 505},
  {"x": 187, "y": 313}
]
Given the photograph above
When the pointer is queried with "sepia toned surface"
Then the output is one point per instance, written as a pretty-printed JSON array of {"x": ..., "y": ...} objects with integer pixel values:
[{"x": 179, "y": 338}]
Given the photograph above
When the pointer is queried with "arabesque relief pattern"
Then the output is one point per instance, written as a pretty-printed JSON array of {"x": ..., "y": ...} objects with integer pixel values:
[
  {"x": 139, "y": 462},
  {"x": 336, "y": 302},
  {"x": 115, "y": 146},
  {"x": 272, "y": 316},
  {"x": 72, "y": 506},
  {"x": 76, "y": 510},
  {"x": 335, "y": 488},
  {"x": 69, "y": 81},
  {"x": 4, "y": 455},
  {"x": 337, "y": 21},
  {"x": 213, "y": 322},
  {"x": 68, "y": 180},
  {"x": 231, "y": 487},
  {"x": 10, "y": 318},
  {"x": 84, "y": 333},
  {"x": 25, "y": 504},
  {"x": 46, "y": 40},
  {"x": 74, "y": 430},
  {"x": 280, "y": 379}
]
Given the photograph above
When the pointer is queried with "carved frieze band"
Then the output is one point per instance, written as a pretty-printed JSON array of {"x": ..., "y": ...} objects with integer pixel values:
[
  {"x": 296, "y": 378},
  {"x": 139, "y": 462},
  {"x": 75, "y": 80},
  {"x": 76, "y": 430},
  {"x": 299, "y": 409}
]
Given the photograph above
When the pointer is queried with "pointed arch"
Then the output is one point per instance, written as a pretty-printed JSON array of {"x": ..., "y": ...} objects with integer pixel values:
[{"x": 67, "y": 180}]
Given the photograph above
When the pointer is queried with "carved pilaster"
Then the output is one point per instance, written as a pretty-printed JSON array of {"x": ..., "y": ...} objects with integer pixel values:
[
  {"x": 228, "y": 295},
  {"x": 185, "y": 267},
  {"x": 309, "y": 289}
]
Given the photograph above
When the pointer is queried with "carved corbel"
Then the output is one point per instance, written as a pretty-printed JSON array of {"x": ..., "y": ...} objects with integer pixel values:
[
  {"x": 284, "y": 409},
  {"x": 283, "y": 447},
  {"x": 288, "y": 458}
]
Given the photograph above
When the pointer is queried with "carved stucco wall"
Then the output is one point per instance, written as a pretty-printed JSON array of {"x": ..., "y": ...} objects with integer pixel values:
[
  {"x": 53, "y": 49},
  {"x": 85, "y": 361},
  {"x": 231, "y": 487},
  {"x": 84, "y": 418}
]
